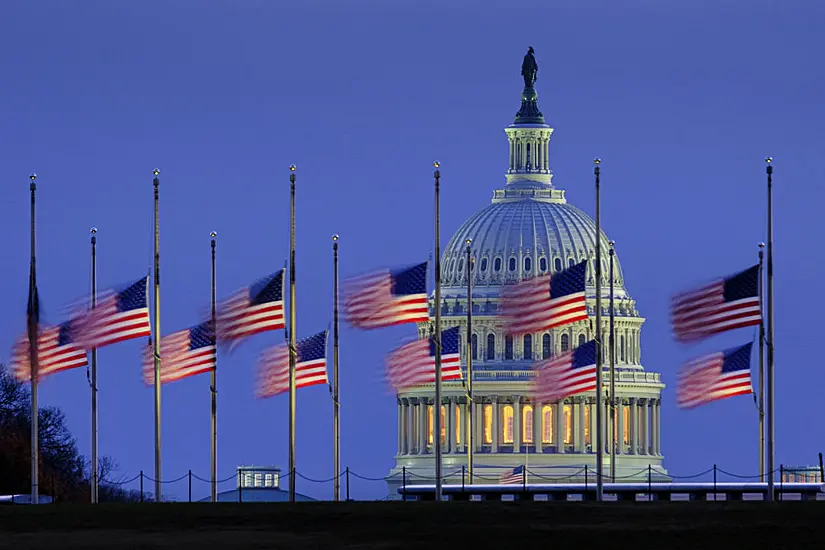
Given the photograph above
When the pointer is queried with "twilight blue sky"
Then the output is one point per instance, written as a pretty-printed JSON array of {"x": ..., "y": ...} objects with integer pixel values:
[{"x": 681, "y": 100}]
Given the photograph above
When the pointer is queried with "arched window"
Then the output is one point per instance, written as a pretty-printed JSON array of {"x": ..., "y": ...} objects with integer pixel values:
[
  {"x": 497, "y": 265},
  {"x": 568, "y": 424},
  {"x": 565, "y": 342},
  {"x": 528, "y": 346},
  {"x": 488, "y": 424},
  {"x": 557, "y": 264},
  {"x": 508, "y": 347},
  {"x": 545, "y": 346},
  {"x": 507, "y": 419},
  {"x": 528, "y": 264},
  {"x": 512, "y": 264},
  {"x": 543, "y": 264},
  {"x": 430, "y": 424},
  {"x": 474, "y": 346},
  {"x": 527, "y": 424},
  {"x": 491, "y": 347},
  {"x": 621, "y": 348},
  {"x": 483, "y": 265},
  {"x": 586, "y": 424},
  {"x": 547, "y": 424},
  {"x": 581, "y": 340}
]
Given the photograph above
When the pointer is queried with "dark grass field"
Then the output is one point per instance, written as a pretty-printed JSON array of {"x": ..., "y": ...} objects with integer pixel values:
[{"x": 419, "y": 526}]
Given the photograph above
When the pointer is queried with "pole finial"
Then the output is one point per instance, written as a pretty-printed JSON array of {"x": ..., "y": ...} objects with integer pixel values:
[
  {"x": 32, "y": 176},
  {"x": 213, "y": 234},
  {"x": 291, "y": 167},
  {"x": 769, "y": 159},
  {"x": 597, "y": 161},
  {"x": 468, "y": 241},
  {"x": 93, "y": 230},
  {"x": 335, "y": 237},
  {"x": 156, "y": 171},
  {"x": 436, "y": 164}
]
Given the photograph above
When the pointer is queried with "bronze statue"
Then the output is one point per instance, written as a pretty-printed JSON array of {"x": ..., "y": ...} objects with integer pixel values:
[{"x": 529, "y": 68}]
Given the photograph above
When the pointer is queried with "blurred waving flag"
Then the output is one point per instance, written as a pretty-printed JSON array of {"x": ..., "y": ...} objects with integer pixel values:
[
  {"x": 257, "y": 308},
  {"x": 567, "y": 374},
  {"x": 715, "y": 376},
  {"x": 310, "y": 366},
  {"x": 516, "y": 475},
  {"x": 183, "y": 353},
  {"x": 724, "y": 304},
  {"x": 118, "y": 316},
  {"x": 545, "y": 302},
  {"x": 387, "y": 298},
  {"x": 414, "y": 363},
  {"x": 57, "y": 351}
]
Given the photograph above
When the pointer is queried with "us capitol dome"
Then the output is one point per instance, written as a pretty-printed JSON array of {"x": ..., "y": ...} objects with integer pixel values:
[{"x": 529, "y": 229}]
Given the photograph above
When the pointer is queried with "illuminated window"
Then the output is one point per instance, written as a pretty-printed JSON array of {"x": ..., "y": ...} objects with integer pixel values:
[
  {"x": 512, "y": 264},
  {"x": 543, "y": 264},
  {"x": 557, "y": 264},
  {"x": 581, "y": 340},
  {"x": 488, "y": 424},
  {"x": 258, "y": 480},
  {"x": 545, "y": 346},
  {"x": 586, "y": 423},
  {"x": 458, "y": 425},
  {"x": 508, "y": 347},
  {"x": 474, "y": 345},
  {"x": 527, "y": 423},
  {"x": 626, "y": 415},
  {"x": 491, "y": 347},
  {"x": 507, "y": 417},
  {"x": 430, "y": 424},
  {"x": 268, "y": 481},
  {"x": 565, "y": 342},
  {"x": 547, "y": 424},
  {"x": 528, "y": 346},
  {"x": 568, "y": 424}
]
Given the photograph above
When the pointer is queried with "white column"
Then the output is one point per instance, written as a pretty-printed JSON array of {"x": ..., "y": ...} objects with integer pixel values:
[
  {"x": 478, "y": 426},
  {"x": 400, "y": 427},
  {"x": 451, "y": 442},
  {"x": 634, "y": 427},
  {"x": 538, "y": 434},
  {"x": 558, "y": 426},
  {"x": 516, "y": 424},
  {"x": 422, "y": 426},
  {"x": 620, "y": 426},
  {"x": 659, "y": 427},
  {"x": 593, "y": 425},
  {"x": 462, "y": 428},
  {"x": 645, "y": 442},
  {"x": 578, "y": 415},
  {"x": 496, "y": 425}
]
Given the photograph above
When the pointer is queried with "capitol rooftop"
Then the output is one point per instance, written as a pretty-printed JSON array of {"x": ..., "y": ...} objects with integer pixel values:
[{"x": 529, "y": 229}]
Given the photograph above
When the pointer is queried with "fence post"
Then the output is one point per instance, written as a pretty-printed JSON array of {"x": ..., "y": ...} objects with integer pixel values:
[
  {"x": 585, "y": 477},
  {"x": 781, "y": 481},
  {"x": 190, "y": 485},
  {"x": 240, "y": 486},
  {"x": 404, "y": 483},
  {"x": 347, "y": 483},
  {"x": 141, "y": 485},
  {"x": 523, "y": 479},
  {"x": 462, "y": 477},
  {"x": 715, "y": 498},
  {"x": 649, "y": 482}
]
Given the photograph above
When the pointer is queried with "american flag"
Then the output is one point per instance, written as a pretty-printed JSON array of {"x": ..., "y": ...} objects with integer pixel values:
[
  {"x": 570, "y": 373},
  {"x": 310, "y": 366},
  {"x": 257, "y": 308},
  {"x": 515, "y": 475},
  {"x": 725, "y": 304},
  {"x": 545, "y": 302},
  {"x": 387, "y": 298},
  {"x": 413, "y": 364},
  {"x": 57, "y": 351},
  {"x": 184, "y": 353},
  {"x": 715, "y": 376},
  {"x": 118, "y": 316}
]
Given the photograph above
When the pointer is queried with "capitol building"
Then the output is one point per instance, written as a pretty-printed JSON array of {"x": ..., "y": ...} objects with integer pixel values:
[{"x": 529, "y": 229}]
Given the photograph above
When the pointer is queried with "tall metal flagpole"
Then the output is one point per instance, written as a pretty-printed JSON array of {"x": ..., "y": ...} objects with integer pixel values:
[
  {"x": 437, "y": 336},
  {"x": 598, "y": 338},
  {"x": 213, "y": 387},
  {"x": 34, "y": 361},
  {"x": 93, "y": 377},
  {"x": 470, "y": 405},
  {"x": 336, "y": 405},
  {"x": 292, "y": 349},
  {"x": 769, "y": 337},
  {"x": 156, "y": 340},
  {"x": 613, "y": 433},
  {"x": 761, "y": 369}
]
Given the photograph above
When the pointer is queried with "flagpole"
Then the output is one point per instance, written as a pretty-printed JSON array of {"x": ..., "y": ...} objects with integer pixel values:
[
  {"x": 612, "y": 343},
  {"x": 761, "y": 369},
  {"x": 93, "y": 381},
  {"x": 156, "y": 339},
  {"x": 470, "y": 405},
  {"x": 213, "y": 386},
  {"x": 292, "y": 334},
  {"x": 598, "y": 338},
  {"x": 769, "y": 336},
  {"x": 437, "y": 336},
  {"x": 336, "y": 405},
  {"x": 34, "y": 360}
]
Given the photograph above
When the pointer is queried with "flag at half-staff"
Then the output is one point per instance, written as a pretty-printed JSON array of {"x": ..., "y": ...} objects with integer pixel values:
[
  {"x": 715, "y": 376},
  {"x": 387, "y": 298},
  {"x": 119, "y": 315},
  {"x": 545, "y": 302},
  {"x": 185, "y": 353},
  {"x": 56, "y": 351},
  {"x": 413, "y": 364},
  {"x": 722, "y": 305},
  {"x": 310, "y": 366},
  {"x": 257, "y": 308},
  {"x": 567, "y": 374}
]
